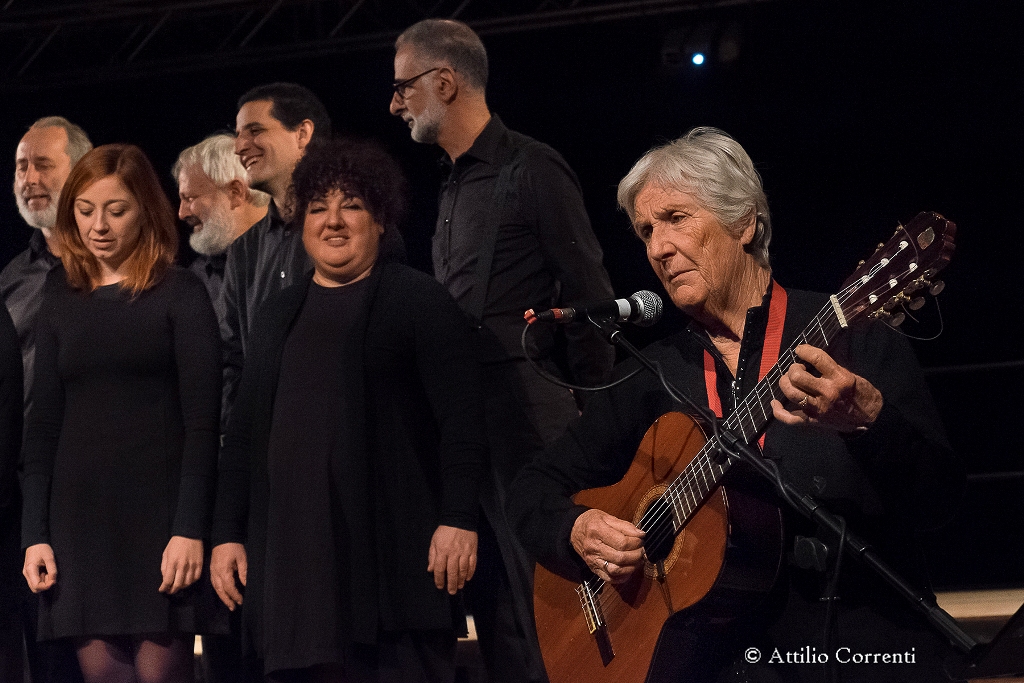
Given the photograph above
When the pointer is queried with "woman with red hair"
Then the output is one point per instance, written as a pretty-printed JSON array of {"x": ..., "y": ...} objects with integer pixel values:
[{"x": 121, "y": 442}]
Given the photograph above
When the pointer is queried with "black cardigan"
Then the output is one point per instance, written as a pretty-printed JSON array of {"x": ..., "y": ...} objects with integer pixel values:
[{"x": 422, "y": 430}]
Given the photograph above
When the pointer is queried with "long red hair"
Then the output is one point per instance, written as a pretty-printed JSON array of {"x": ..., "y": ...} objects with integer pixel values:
[{"x": 158, "y": 234}]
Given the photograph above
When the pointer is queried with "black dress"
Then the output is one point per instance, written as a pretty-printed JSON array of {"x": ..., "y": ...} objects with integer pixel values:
[
  {"x": 336, "y": 475},
  {"x": 121, "y": 450}
]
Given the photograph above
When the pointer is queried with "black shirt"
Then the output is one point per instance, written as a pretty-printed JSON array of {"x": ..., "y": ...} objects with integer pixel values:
[
  {"x": 10, "y": 421},
  {"x": 210, "y": 270},
  {"x": 264, "y": 260},
  {"x": 21, "y": 286},
  {"x": 545, "y": 253}
]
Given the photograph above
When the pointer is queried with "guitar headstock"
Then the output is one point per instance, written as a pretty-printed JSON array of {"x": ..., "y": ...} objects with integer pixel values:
[{"x": 899, "y": 269}]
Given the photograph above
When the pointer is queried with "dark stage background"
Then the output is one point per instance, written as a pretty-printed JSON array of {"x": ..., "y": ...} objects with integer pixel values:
[{"x": 857, "y": 114}]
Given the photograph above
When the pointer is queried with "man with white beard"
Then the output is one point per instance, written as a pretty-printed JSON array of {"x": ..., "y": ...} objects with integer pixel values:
[
  {"x": 217, "y": 202},
  {"x": 219, "y": 205},
  {"x": 42, "y": 162}
]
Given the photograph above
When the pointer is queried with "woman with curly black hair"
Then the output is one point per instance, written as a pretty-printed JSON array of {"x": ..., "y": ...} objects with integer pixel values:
[{"x": 347, "y": 502}]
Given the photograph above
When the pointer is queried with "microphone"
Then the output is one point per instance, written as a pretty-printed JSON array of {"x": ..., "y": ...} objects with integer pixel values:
[{"x": 643, "y": 309}]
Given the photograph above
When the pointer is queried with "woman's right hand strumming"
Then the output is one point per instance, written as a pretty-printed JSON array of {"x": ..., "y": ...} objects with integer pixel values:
[{"x": 40, "y": 567}]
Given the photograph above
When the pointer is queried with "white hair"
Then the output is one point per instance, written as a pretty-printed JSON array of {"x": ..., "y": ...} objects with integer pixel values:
[
  {"x": 216, "y": 157},
  {"x": 709, "y": 164}
]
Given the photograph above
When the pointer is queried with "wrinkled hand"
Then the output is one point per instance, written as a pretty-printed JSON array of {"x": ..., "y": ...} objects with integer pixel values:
[
  {"x": 181, "y": 564},
  {"x": 452, "y": 557},
  {"x": 611, "y": 547},
  {"x": 838, "y": 399},
  {"x": 40, "y": 568},
  {"x": 229, "y": 559}
]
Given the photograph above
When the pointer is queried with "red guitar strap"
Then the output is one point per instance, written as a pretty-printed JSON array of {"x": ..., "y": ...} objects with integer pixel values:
[{"x": 769, "y": 353}]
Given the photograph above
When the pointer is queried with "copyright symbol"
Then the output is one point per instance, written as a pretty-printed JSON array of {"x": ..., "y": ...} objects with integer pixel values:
[{"x": 752, "y": 655}]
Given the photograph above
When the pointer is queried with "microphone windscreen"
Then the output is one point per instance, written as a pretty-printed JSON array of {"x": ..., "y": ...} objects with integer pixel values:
[{"x": 650, "y": 307}]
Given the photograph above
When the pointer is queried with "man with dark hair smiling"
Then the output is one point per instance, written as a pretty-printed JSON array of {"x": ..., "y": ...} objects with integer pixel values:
[{"x": 274, "y": 125}]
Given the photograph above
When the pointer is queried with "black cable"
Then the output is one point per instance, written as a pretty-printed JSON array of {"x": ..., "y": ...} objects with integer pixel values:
[
  {"x": 910, "y": 315},
  {"x": 554, "y": 380}
]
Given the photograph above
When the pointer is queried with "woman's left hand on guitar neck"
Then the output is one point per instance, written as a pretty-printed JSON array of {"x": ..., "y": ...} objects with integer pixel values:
[
  {"x": 837, "y": 399},
  {"x": 611, "y": 547}
]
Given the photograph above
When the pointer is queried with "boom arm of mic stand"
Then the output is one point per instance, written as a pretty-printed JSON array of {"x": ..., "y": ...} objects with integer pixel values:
[{"x": 807, "y": 506}]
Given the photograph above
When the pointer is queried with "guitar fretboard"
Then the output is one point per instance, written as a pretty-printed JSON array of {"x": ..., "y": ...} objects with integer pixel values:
[{"x": 691, "y": 488}]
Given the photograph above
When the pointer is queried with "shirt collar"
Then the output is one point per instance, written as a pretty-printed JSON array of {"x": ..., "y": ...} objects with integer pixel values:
[
  {"x": 274, "y": 220},
  {"x": 754, "y": 327},
  {"x": 216, "y": 262},
  {"x": 486, "y": 147},
  {"x": 37, "y": 247}
]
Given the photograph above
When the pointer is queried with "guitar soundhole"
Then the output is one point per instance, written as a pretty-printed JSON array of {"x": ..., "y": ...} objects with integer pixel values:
[{"x": 660, "y": 536}]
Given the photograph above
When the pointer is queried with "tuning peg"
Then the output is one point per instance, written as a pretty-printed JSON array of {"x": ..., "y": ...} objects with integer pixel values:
[
  {"x": 894, "y": 319},
  {"x": 916, "y": 303},
  {"x": 937, "y": 288}
]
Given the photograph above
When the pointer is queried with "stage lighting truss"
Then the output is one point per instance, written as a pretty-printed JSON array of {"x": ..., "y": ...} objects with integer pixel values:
[{"x": 45, "y": 43}]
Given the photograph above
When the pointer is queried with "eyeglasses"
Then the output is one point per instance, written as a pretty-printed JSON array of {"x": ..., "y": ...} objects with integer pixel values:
[{"x": 401, "y": 86}]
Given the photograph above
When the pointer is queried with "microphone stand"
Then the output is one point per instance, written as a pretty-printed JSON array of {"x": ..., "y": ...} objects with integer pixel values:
[{"x": 807, "y": 506}]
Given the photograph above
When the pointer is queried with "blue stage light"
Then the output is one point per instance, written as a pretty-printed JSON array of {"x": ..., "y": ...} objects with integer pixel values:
[{"x": 698, "y": 58}]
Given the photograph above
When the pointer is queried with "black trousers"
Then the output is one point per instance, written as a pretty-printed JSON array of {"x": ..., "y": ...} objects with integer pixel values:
[{"x": 524, "y": 414}]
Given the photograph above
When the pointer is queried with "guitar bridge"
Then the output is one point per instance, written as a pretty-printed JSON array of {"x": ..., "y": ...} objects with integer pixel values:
[
  {"x": 594, "y": 615},
  {"x": 591, "y": 607}
]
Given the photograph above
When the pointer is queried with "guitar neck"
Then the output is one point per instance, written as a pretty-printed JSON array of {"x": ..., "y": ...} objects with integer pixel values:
[
  {"x": 750, "y": 418},
  {"x": 754, "y": 412}
]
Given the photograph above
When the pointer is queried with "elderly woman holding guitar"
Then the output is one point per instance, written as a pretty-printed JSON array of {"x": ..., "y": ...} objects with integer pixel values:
[{"x": 651, "y": 569}]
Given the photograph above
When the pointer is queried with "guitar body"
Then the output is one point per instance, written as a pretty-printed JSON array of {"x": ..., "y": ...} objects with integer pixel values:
[{"x": 728, "y": 553}]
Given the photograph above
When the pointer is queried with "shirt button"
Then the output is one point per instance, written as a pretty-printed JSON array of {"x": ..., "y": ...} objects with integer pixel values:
[{"x": 282, "y": 274}]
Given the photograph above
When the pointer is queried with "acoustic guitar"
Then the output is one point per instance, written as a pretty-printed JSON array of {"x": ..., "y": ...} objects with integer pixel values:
[{"x": 705, "y": 542}]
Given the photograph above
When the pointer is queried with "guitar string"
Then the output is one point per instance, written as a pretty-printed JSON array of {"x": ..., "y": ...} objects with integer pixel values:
[
  {"x": 657, "y": 522},
  {"x": 776, "y": 371},
  {"x": 660, "y": 527},
  {"x": 657, "y": 518},
  {"x": 702, "y": 463},
  {"x": 702, "y": 460}
]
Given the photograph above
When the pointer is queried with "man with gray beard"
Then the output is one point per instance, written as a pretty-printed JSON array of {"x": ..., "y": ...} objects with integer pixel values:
[
  {"x": 43, "y": 160},
  {"x": 512, "y": 234},
  {"x": 219, "y": 205}
]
